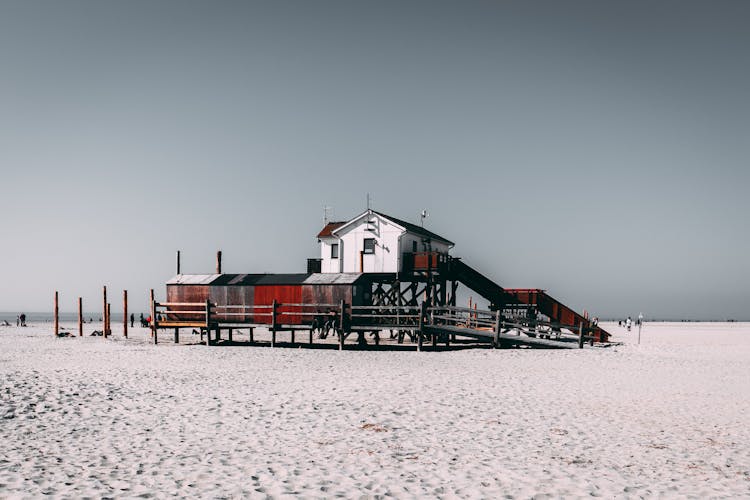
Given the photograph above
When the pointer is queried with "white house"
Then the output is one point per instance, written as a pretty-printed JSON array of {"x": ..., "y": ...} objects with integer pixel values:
[{"x": 373, "y": 242}]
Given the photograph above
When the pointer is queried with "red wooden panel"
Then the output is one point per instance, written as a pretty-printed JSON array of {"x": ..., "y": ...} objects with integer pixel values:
[
  {"x": 284, "y": 294},
  {"x": 187, "y": 293}
]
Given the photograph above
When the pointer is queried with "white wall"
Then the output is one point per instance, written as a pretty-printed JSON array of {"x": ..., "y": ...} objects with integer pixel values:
[
  {"x": 388, "y": 248},
  {"x": 329, "y": 265}
]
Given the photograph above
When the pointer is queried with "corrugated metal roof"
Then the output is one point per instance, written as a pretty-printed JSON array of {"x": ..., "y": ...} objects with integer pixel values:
[
  {"x": 265, "y": 279},
  {"x": 332, "y": 278},
  {"x": 280, "y": 279},
  {"x": 193, "y": 279}
]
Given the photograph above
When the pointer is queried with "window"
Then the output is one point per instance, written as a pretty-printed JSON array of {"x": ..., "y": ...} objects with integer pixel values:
[
  {"x": 334, "y": 250},
  {"x": 369, "y": 245},
  {"x": 414, "y": 246}
]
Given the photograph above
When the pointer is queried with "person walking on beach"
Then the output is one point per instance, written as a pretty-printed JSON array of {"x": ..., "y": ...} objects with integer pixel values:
[
  {"x": 628, "y": 323},
  {"x": 23, "y": 319},
  {"x": 132, "y": 319},
  {"x": 18, "y": 320}
]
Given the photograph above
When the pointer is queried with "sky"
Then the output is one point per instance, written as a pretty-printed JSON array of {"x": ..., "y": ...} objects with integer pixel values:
[{"x": 598, "y": 150}]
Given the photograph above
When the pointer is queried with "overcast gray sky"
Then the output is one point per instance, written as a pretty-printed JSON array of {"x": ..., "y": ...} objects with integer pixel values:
[{"x": 595, "y": 149}]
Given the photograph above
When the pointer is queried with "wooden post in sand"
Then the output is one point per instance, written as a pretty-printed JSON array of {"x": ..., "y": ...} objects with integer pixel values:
[
  {"x": 80, "y": 317},
  {"x": 109, "y": 318},
  {"x": 104, "y": 311},
  {"x": 57, "y": 316},
  {"x": 125, "y": 313},
  {"x": 153, "y": 316}
]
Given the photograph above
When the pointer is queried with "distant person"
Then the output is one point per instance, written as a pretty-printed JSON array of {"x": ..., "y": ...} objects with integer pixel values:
[
  {"x": 18, "y": 320},
  {"x": 132, "y": 319},
  {"x": 595, "y": 321},
  {"x": 628, "y": 323},
  {"x": 22, "y": 317},
  {"x": 619, "y": 322}
]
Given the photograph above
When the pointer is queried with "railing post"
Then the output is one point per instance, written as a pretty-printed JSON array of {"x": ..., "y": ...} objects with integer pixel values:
[
  {"x": 208, "y": 322},
  {"x": 496, "y": 340},
  {"x": 580, "y": 335},
  {"x": 420, "y": 334},
  {"x": 153, "y": 317},
  {"x": 341, "y": 325},
  {"x": 275, "y": 306}
]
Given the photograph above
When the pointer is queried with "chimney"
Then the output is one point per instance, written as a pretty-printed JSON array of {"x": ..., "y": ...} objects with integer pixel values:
[{"x": 218, "y": 262}]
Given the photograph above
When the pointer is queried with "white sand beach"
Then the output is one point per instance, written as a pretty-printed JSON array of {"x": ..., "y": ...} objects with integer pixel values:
[{"x": 88, "y": 417}]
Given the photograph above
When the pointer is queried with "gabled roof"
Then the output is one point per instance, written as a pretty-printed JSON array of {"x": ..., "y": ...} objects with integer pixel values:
[
  {"x": 332, "y": 227},
  {"x": 413, "y": 228},
  {"x": 329, "y": 228}
]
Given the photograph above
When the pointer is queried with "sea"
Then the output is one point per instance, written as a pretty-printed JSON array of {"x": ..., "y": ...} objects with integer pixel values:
[{"x": 48, "y": 317}]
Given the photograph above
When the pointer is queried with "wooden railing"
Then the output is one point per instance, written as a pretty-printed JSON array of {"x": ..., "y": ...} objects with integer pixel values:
[{"x": 345, "y": 318}]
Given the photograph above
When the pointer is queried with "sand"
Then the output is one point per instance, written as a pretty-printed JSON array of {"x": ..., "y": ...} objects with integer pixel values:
[{"x": 123, "y": 418}]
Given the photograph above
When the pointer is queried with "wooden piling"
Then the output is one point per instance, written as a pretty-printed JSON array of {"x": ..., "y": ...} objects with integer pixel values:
[
  {"x": 109, "y": 318},
  {"x": 80, "y": 316},
  {"x": 57, "y": 316},
  {"x": 125, "y": 313},
  {"x": 176, "y": 335},
  {"x": 580, "y": 335},
  {"x": 275, "y": 306},
  {"x": 293, "y": 337},
  {"x": 250, "y": 335},
  {"x": 229, "y": 333},
  {"x": 496, "y": 339},
  {"x": 432, "y": 322},
  {"x": 104, "y": 311},
  {"x": 420, "y": 333}
]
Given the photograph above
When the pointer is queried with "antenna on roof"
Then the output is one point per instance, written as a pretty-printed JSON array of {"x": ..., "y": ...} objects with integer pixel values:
[
  {"x": 369, "y": 201},
  {"x": 423, "y": 216},
  {"x": 326, "y": 209}
]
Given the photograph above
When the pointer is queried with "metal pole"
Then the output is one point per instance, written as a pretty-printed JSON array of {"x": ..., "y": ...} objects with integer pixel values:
[{"x": 640, "y": 324}]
